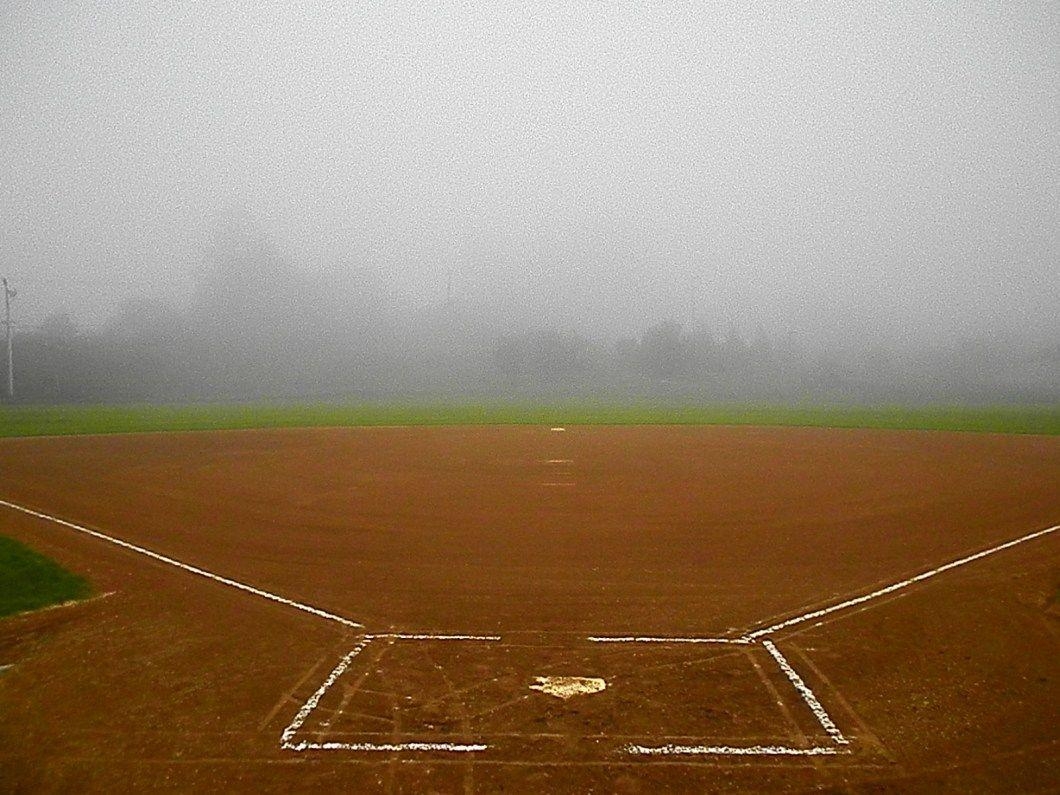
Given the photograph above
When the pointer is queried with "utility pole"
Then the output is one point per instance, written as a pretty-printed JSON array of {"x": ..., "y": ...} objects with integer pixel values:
[{"x": 8, "y": 295}]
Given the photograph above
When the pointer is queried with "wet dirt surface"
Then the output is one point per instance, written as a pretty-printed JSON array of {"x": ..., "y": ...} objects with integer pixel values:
[{"x": 173, "y": 681}]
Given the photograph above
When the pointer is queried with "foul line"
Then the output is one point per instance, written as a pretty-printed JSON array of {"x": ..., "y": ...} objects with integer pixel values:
[
  {"x": 807, "y": 695},
  {"x": 898, "y": 585},
  {"x": 185, "y": 566}
]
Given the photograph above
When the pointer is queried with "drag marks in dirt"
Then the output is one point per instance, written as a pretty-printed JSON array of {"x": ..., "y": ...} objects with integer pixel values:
[{"x": 185, "y": 566}]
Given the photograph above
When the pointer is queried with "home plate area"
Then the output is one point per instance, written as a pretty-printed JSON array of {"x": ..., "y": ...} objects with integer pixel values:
[{"x": 537, "y": 696}]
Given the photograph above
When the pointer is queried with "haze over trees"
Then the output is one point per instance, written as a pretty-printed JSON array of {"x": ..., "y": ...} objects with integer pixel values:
[{"x": 257, "y": 328}]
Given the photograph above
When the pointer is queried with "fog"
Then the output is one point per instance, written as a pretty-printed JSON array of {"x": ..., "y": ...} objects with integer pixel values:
[{"x": 734, "y": 201}]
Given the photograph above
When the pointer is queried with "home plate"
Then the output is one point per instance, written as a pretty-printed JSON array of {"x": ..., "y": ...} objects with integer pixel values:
[{"x": 566, "y": 686}]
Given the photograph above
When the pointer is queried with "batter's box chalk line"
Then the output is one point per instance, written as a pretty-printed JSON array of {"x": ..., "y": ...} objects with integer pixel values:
[{"x": 289, "y": 741}]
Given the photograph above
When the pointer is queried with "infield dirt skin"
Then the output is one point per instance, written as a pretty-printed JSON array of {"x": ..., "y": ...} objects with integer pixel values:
[{"x": 540, "y": 538}]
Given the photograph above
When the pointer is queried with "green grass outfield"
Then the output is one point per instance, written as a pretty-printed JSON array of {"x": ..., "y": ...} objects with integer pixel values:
[
  {"x": 62, "y": 420},
  {"x": 29, "y": 581}
]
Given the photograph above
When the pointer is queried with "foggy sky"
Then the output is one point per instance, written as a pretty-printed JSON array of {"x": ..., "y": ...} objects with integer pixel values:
[{"x": 879, "y": 171}]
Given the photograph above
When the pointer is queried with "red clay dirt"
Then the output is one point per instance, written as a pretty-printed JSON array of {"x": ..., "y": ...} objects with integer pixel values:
[{"x": 174, "y": 681}]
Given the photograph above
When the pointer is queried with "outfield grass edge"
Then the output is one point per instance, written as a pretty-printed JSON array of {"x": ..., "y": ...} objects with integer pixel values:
[{"x": 23, "y": 421}]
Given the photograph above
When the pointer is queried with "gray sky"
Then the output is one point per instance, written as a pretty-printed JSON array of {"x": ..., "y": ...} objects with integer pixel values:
[{"x": 883, "y": 170}]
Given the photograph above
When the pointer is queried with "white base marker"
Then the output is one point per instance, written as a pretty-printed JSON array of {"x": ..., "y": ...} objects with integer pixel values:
[
  {"x": 807, "y": 695},
  {"x": 566, "y": 687},
  {"x": 731, "y": 750},
  {"x": 663, "y": 639},
  {"x": 758, "y": 633},
  {"x": 185, "y": 566}
]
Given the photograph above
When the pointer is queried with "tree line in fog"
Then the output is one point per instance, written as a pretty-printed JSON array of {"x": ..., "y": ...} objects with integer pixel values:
[{"x": 258, "y": 329}]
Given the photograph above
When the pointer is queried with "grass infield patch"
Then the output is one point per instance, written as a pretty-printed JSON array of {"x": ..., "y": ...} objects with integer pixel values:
[
  {"x": 63, "y": 420},
  {"x": 30, "y": 581}
]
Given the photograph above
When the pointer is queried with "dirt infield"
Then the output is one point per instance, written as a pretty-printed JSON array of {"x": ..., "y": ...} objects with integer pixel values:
[{"x": 547, "y": 553}]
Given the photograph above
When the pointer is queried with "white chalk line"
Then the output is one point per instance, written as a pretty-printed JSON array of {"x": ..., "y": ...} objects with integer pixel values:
[
  {"x": 300, "y": 718},
  {"x": 592, "y": 638},
  {"x": 807, "y": 695},
  {"x": 663, "y": 639},
  {"x": 732, "y": 750},
  {"x": 898, "y": 585},
  {"x": 462, "y": 748},
  {"x": 410, "y": 636},
  {"x": 288, "y": 743},
  {"x": 185, "y": 566}
]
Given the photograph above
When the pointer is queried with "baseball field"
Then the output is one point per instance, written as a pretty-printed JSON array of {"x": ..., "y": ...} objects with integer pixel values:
[{"x": 563, "y": 599}]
